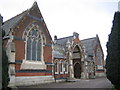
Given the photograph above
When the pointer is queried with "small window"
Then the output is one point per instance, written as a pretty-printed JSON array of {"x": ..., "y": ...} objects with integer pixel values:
[
  {"x": 56, "y": 67},
  {"x": 66, "y": 67},
  {"x": 34, "y": 50},
  {"x": 61, "y": 67},
  {"x": 39, "y": 50},
  {"x": 28, "y": 56}
]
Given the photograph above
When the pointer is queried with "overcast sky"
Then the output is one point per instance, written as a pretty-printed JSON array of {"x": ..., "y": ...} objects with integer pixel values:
[{"x": 63, "y": 17}]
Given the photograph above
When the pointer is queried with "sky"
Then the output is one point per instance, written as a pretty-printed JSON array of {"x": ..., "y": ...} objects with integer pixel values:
[{"x": 63, "y": 17}]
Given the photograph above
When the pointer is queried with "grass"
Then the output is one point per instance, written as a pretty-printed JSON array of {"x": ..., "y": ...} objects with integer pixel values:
[{"x": 113, "y": 88}]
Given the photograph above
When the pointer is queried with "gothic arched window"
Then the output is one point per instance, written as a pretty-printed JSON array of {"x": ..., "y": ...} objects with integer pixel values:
[
  {"x": 28, "y": 57},
  {"x": 34, "y": 45},
  {"x": 34, "y": 49},
  {"x": 34, "y": 42}
]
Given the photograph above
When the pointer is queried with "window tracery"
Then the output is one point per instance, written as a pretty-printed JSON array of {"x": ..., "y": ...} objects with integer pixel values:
[
  {"x": 33, "y": 38},
  {"x": 34, "y": 43}
]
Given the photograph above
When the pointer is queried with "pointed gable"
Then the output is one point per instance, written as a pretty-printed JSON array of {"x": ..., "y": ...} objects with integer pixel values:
[
  {"x": 89, "y": 44},
  {"x": 60, "y": 47},
  {"x": 92, "y": 45},
  {"x": 33, "y": 13}
]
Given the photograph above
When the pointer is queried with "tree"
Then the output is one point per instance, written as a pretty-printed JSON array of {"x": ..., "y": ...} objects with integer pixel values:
[
  {"x": 113, "y": 50},
  {"x": 5, "y": 75}
]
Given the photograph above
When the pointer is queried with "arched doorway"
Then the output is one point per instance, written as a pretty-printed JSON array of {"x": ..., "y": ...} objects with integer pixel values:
[
  {"x": 77, "y": 62},
  {"x": 77, "y": 70}
]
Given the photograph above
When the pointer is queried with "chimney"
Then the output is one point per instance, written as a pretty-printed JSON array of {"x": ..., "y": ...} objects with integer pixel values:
[
  {"x": 119, "y": 6},
  {"x": 75, "y": 34},
  {"x": 55, "y": 37}
]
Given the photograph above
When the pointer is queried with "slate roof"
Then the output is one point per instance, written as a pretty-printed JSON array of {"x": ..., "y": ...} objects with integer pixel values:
[
  {"x": 12, "y": 22},
  {"x": 59, "y": 51},
  {"x": 62, "y": 41},
  {"x": 89, "y": 44},
  {"x": 60, "y": 47}
]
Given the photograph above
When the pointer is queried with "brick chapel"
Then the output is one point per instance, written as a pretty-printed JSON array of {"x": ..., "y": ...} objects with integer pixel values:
[{"x": 35, "y": 58}]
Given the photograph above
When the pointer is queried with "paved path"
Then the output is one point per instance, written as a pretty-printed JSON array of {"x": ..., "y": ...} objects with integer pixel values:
[{"x": 91, "y": 83}]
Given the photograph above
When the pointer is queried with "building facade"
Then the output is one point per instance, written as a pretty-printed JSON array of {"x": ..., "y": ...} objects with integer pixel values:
[
  {"x": 95, "y": 57},
  {"x": 35, "y": 58},
  {"x": 69, "y": 54},
  {"x": 29, "y": 48}
]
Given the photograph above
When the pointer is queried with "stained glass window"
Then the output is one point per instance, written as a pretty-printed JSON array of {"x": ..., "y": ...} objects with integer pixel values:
[
  {"x": 34, "y": 50},
  {"x": 28, "y": 49},
  {"x": 39, "y": 50},
  {"x": 34, "y": 45},
  {"x": 34, "y": 33}
]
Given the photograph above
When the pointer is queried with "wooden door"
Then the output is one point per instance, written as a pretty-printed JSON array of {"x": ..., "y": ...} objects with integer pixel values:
[{"x": 77, "y": 70}]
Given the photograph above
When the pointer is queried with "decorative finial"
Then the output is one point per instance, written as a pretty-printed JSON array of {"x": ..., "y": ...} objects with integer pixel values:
[
  {"x": 75, "y": 34},
  {"x": 34, "y": 4}
]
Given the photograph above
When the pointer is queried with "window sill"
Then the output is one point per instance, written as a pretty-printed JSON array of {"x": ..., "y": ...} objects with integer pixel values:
[
  {"x": 61, "y": 72},
  {"x": 66, "y": 72},
  {"x": 33, "y": 65},
  {"x": 56, "y": 72}
]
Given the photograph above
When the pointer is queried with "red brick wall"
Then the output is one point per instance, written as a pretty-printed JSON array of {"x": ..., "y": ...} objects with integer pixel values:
[
  {"x": 20, "y": 47},
  {"x": 59, "y": 75},
  {"x": 47, "y": 54},
  {"x": 33, "y": 74},
  {"x": 76, "y": 40}
]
